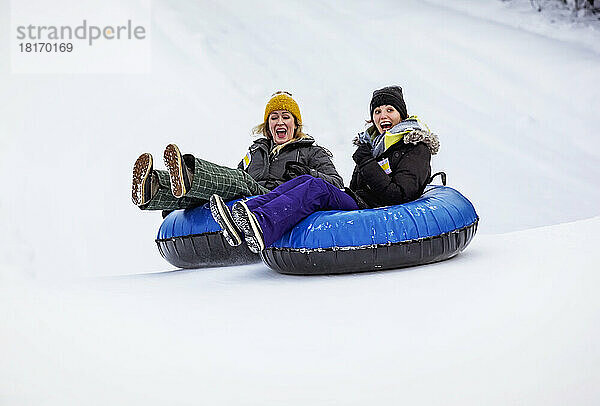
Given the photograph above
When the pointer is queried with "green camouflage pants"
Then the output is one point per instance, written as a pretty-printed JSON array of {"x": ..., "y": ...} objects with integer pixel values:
[{"x": 208, "y": 179}]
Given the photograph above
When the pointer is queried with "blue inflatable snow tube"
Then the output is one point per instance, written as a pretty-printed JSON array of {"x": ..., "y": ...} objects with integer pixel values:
[
  {"x": 437, "y": 226},
  {"x": 196, "y": 221},
  {"x": 439, "y": 210},
  {"x": 192, "y": 239}
]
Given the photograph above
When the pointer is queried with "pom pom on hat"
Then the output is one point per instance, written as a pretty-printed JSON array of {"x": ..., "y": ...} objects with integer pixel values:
[{"x": 283, "y": 101}]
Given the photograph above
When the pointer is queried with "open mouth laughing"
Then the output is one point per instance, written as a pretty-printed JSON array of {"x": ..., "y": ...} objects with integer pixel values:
[
  {"x": 281, "y": 131},
  {"x": 385, "y": 124}
]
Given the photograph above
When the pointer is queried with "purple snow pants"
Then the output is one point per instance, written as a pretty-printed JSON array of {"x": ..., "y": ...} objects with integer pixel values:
[{"x": 282, "y": 208}]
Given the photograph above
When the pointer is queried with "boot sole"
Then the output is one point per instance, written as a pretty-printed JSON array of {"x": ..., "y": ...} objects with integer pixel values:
[
  {"x": 174, "y": 164},
  {"x": 222, "y": 216},
  {"x": 142, "y": 169},
  {"x": 243, "y": 218}
]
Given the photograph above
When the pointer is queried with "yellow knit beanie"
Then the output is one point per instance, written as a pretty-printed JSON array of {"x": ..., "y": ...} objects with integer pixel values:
[{"x": 283, "y": 101}]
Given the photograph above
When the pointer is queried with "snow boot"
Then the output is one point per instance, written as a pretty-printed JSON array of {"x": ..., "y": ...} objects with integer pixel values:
[
  {"x": 144, "y": 184},
  {"x": 222, "y": 216},
  {"x": 181, "y": 176},
  {"x": 247, "y": 222}
]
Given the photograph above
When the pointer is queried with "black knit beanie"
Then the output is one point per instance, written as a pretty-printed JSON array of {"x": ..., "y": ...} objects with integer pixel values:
[{"x": 392, "y": 96}]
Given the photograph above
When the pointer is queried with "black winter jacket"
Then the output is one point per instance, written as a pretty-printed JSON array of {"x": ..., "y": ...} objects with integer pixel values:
[
  {"x": 268, "y": 169},
  {"x": 410, "y": 172}
]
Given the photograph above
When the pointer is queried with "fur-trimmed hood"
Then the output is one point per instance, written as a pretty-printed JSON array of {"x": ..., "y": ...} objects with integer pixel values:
[{"x": 426, "y": 137}]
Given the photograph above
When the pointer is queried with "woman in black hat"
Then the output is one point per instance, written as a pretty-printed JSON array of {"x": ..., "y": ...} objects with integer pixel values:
[{"x": 393, "y": 155}]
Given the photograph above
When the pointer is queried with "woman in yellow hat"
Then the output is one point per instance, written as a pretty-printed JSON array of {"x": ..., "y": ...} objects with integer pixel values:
[{"x": 282, "y": 152}]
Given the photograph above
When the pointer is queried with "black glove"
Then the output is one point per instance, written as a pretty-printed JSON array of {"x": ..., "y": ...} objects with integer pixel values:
[
  {"x": 363, "y": 153},
  {"x": 294, "y": 169}
]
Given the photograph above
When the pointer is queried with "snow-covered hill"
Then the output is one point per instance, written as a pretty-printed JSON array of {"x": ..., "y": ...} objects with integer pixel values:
[{"x": 510, "y": 320}]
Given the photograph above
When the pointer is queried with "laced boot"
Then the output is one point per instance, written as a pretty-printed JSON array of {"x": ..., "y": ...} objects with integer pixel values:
[
  {"x": 180, "y": 174},
  {"x": 145, "y": 183},
  {"x": 222, "y": 216},
  {"x": 247, "y": 222}
]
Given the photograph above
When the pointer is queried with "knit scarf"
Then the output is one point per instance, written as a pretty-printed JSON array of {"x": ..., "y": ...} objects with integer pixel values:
[{"x": 383, "y": 142}]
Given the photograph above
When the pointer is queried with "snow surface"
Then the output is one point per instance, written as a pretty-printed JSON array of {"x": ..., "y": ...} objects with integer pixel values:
[{"x": 91, "y": 314}]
